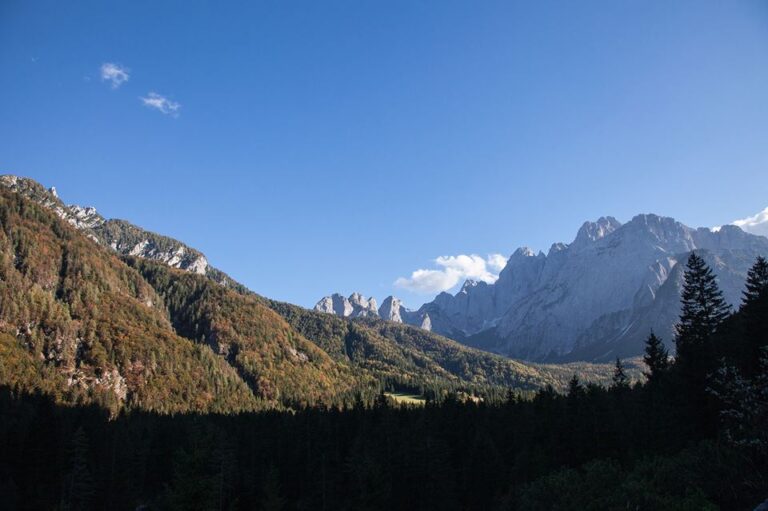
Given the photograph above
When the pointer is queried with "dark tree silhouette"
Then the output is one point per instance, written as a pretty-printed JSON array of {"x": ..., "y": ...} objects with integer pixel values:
[
  {"x": 656, "y": 358},
  {"x": 620, "y": 379},
  {"x": 703, "y": 310},
  {"x": 757, "y": 282},
  {"x": 749, "y": 344}
]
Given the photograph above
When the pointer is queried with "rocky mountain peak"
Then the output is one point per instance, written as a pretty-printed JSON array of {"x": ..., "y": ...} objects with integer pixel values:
[
  {"x": 334, "y": 304},
  {"x": 556, "y": 247},
  {"x": 366, "y": 306},
  {"x": 524, "y": 252},
  {"x": 354, "y": 306},
  {"x": 357, "y": 306},
  {"x": 593, "y": 231},
  {"x": 656, "y": 224},
  {"x": 391, "y": 309}
]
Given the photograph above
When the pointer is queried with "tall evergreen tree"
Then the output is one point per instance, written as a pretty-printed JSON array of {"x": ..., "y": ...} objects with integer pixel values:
[
  {"x": 656, "y": 358},
  {"x": 703, "y": 309},
  {"x": 574, "y": 387},
  {"x": 754, "y": 310},
  {"x": 757, "y": 282}
]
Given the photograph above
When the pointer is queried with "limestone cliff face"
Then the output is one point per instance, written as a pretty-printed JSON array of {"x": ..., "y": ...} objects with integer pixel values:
[
  {"x": 596, "y": 298},
  {"x": 355, "y": 306}
]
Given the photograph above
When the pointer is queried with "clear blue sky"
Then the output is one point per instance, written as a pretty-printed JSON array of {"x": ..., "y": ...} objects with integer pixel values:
[{"x": 336, "y": 146}]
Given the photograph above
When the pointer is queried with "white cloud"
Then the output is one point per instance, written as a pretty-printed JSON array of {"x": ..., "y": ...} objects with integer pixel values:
[
  {"x": 114, "y": 73},
  {"x": 757, "y": 224},
  {"x": 453, "y": 270},
  {"x": 497, "y": 262},
  {"x": 161, "y": 104}
]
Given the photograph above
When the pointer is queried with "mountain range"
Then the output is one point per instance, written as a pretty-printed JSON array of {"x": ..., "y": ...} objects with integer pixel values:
[
  {"x": 94, "y": 310},
  {"x": 594, "y": 299}
]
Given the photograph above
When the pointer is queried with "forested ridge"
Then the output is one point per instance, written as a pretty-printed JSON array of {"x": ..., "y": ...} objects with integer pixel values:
[{"x": 88, "y": 325}]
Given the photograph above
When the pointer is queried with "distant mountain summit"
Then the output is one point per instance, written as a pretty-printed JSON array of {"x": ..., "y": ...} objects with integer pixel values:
[
  {"x": 358, "y": 306},
  {"x": 596, "y": 298},
  {"x": 593, "y": 299}
]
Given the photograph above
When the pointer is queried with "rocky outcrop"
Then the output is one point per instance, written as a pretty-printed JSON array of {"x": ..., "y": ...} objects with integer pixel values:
[
  {"x": 123, "y": 237},
  {"x": 392, "y": 309},
  {"x": 356, "y": 306},
  {"x": 362, "y": 306}
]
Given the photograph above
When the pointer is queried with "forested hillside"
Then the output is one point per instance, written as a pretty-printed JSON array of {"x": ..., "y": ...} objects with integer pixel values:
[
  {"x": 87, "y": 325},
  {"x": 409, "y": 357},
  {"x": 76, "y": 322},
  {"x": 278, "y": 362}
]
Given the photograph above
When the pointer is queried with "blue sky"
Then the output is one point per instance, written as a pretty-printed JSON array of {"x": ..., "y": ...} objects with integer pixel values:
[{"x": 311, "y": 147}]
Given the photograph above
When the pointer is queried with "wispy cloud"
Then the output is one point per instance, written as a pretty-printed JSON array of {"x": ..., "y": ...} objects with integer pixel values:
[
  {"x": 757, "y": 224},
  {"x": 161, "y": 104},
  {"x": 115, "y": 74},
  {"x": 453, "y": 270}
]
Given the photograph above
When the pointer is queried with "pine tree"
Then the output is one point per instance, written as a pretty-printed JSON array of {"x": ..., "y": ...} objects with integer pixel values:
[
  {"x": 703, "y": 309},
  {"x": 575, "y": 390},
  {"x": 656, "y": 358},
  {"x": 620, "y": 379},
  {"x": 754, "y": 311},
  {"x": 757, "y": 282},
  {"x": 510, "y": 398}
]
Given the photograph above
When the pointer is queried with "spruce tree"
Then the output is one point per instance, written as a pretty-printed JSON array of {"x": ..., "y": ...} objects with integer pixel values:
[
  {"x": 575, "y": 389},
  {"x": 703, "y": 309},
  {"x": 619, "y": 379},
  {"x": 757, "y": 282},
  {"x": 753, "y": 337},
  {"x": 656, "y": 358}
]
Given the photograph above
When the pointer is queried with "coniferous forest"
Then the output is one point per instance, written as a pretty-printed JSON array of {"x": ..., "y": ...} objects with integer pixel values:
[{"x": 691, "y": 435}]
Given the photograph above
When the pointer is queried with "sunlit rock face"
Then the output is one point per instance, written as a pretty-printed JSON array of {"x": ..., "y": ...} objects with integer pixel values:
[
  {"x": 597, "y": 297},
  {"x": 123, "y": 237},
  {"x": 355, "y": 306}
]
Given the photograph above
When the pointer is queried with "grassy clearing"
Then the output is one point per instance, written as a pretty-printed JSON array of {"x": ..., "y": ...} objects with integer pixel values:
[{"x": 406, "y": 399}]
